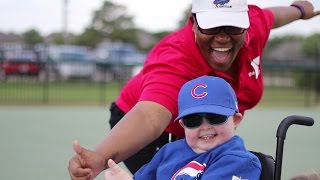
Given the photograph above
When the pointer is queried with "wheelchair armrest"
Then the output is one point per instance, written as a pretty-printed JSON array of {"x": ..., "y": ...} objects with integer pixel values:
[{"x": 267, "y": 164}]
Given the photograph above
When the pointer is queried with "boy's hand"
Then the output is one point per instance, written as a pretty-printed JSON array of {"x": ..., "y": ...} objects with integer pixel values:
[{"x": 115, "y": 172}]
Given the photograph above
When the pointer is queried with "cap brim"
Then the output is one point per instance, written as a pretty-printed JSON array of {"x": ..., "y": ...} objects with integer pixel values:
[
  {"x": 207, "y": 20},
  {"x": 207, "y": 109}
]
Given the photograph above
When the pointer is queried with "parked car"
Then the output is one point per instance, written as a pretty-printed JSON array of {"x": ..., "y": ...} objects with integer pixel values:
[
  {"x": 65, "y": 62},
  {"x": 19, "y": 62},
  {"x": 118, "y": 60},
  {"x": 2, "y": 75}
]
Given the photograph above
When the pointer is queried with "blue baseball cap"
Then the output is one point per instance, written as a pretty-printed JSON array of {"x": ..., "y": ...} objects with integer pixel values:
[{"x": 207, "y": 94}]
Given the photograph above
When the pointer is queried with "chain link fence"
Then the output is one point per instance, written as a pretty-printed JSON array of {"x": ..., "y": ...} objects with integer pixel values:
[{"x": 27, "y": 77}]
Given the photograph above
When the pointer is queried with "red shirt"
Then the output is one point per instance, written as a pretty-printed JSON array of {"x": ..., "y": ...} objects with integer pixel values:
[{"x": 176, "y": 59}]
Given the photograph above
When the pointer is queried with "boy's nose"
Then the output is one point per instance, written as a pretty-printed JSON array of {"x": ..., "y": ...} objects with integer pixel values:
[{"x": 205, "y": 124}]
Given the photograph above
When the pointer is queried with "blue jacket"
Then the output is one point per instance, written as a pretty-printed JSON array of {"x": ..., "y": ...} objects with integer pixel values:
[{"x": 177, "y": 161}]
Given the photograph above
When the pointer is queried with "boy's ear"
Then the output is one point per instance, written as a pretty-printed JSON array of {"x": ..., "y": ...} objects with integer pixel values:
[{"x": 237, "y": 118}]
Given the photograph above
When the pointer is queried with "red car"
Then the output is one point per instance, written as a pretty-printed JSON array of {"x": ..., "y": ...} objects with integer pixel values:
[{"x": 22, "y": 62}]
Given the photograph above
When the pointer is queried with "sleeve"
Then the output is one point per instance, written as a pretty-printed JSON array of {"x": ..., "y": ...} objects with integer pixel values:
[
  {"x": 233, "y": 167},
  {"x": 149, "y": 170},
  {"x": 261, "y": 22},
  {"x": 269, "y": 18},
  {"x": 169, "y": 68},
  {"x": 166, "y": 161}
]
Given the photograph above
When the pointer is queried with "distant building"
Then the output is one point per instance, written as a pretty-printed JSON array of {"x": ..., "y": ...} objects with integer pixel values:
[
  {"x": 289, "y": 52},
  {"x": 11, "y": 41}
]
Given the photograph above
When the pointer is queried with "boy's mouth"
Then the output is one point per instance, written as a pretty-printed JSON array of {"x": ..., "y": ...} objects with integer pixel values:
[{"x": 208, "y": 136}]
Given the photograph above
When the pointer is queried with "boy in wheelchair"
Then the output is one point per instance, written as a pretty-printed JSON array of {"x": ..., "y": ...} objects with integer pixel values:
[{"x": 209, "y": 114}]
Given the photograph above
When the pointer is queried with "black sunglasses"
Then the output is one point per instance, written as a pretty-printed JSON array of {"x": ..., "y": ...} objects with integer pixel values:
[
  {"x": 231, "y": 30},
  {"x": 193, "y": 121}
]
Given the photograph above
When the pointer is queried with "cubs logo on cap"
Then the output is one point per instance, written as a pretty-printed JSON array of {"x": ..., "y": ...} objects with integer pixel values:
[{"x": 207, "y": 94}]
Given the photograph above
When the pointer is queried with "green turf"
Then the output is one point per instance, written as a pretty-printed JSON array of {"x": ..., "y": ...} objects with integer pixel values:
[
  {"x": 301, "y": 146},
  {"x": 36, "y": 141},
  {"x": 86, "y": 93},
  {"x": 288, "y": 97},
  {"x": 76, "y": 93}
]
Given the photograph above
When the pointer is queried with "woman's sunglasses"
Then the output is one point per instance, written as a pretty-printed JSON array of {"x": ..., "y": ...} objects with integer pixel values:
[
  {"x": 231, "y": 30},
  {"x": 195, "y": 120}
]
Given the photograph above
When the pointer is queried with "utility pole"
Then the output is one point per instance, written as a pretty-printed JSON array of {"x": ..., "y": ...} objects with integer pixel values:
[
  {"x": 65, "y": 22},
  {"x": 317, "y": 72}
]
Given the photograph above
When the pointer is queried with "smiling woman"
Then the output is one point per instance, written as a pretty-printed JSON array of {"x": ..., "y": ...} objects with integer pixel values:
[{"x": 150, "y": 98}]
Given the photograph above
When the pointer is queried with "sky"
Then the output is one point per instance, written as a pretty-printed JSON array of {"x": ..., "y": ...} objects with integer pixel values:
[{"x": 46, "y": 16}]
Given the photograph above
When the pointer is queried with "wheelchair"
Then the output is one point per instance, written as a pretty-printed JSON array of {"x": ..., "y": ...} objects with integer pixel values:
[{"x": 271, "y": 167}]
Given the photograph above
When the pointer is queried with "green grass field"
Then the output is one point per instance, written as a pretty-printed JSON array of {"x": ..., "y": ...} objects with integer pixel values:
[
  {"x": 86, "y": 93},
  {"x": 36, "y": 141},
  {"x": 67, "y": 93}
]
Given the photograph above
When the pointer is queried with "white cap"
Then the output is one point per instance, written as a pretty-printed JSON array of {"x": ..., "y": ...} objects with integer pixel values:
[{"x": 215, "y": 13}]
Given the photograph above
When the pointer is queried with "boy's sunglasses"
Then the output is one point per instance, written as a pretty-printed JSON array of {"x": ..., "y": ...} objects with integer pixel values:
[
  {"x": 193, "y": 121},
  {"x": 231, "y": 30}
]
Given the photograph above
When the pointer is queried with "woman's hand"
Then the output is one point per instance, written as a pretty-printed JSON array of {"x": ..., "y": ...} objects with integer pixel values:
[{"x": 86, "y": 164}]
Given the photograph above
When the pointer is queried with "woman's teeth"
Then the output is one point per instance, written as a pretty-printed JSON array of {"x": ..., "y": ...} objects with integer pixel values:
[{"x": 221, "y": 49}]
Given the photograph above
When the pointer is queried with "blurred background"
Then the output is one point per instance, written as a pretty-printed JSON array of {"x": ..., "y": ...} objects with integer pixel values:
[{"x": 63, "y": 62}]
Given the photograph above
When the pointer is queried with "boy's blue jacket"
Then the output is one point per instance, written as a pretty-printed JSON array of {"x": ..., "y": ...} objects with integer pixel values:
[{"x": 177, "y": 161}]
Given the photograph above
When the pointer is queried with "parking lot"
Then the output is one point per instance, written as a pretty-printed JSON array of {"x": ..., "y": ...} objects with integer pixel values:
[{"x": 107, "y": 62}]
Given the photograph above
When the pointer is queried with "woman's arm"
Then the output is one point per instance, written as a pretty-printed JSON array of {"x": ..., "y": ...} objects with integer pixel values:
[
  {"x": 139, "y": 127},
  {"x": 285, "y": 15}
]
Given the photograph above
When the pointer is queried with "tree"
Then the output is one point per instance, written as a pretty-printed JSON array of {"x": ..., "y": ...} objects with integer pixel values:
[
  {"x": 109, "y": 22},
  {"x": 157, "y": 36},
  {"x": 273, "y": 43},
  {"x": 311, "y": 46},
  {"x": 59, "y": 38},
  {"x": 32, "y": 37},
  {"x": 90, "y": 37}
]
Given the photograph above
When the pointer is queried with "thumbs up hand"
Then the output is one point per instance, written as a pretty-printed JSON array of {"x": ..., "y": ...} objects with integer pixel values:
[{"x": 86, "y": 164}]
